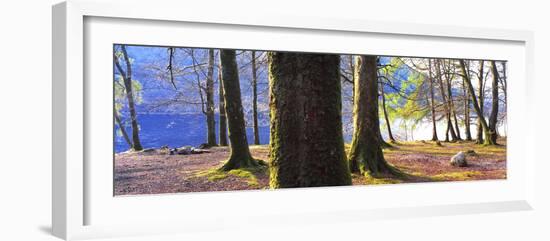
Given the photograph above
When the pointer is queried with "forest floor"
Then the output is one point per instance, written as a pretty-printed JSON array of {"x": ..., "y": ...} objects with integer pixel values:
[{"x": 422, "y": 161}]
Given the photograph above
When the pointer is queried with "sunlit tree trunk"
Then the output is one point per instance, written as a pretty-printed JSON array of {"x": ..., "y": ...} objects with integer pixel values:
[
  {"x": 485, "y": 126},
  {"x": 504, "y": 83},
  {"x": 366, "y": 155},
  {"x": 306, "y": 141},
  {"x": 481, "y": 97},
  {"x": 390, "y": 135},
  {"x": 127, "y": 77},
  {"x": 221, "y": 106},
  {"x": 255, "y": 99},
  {"x": 352, "y": 69},
  {"x": 240, "y": 156},
  {"x": 493, "y": 118},
  {"x": 467, "y": 111},
  {"x": 432, "y": 102},
  {"x": 453, "y": 110},
  {"x": 446, "y": 105},
  {"x": 210, "y": 117}
]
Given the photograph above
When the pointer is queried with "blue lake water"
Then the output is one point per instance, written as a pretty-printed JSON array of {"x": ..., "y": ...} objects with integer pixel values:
[{"x": 157, "y": 130}]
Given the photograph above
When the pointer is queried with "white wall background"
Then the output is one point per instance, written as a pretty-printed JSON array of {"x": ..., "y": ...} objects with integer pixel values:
[{"x": 25, "y": 120}]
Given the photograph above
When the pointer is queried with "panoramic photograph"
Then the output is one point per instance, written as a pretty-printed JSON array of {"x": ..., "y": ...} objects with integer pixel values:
[{"x": 188, "y": 119}]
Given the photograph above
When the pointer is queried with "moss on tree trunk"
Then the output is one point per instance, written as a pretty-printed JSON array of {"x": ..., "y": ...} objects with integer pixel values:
[
  {"x": 240, "y": 154},
  {"x": 366, "y": 154},
  {"x": 307, "y": 147}
]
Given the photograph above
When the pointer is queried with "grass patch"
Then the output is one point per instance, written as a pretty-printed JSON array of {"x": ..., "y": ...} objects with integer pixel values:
[
  {"x": 212, "y": 174},
  {"x": 447, "y": 148},
  {"x": 247, "y": 174},
  {"x": 370, "y": 180}
]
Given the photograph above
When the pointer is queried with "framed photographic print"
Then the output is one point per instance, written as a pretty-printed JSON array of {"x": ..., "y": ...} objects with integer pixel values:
[{"x": 203, "y": 122}]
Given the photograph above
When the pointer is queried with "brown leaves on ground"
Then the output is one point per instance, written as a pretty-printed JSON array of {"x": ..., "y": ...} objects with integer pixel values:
[{"x": 157, "y": 172}]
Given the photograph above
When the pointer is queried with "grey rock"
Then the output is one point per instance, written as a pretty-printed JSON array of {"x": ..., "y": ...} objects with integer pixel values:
[
  {"x": 184, "y": 150},
  {"x": 459, "y": 160}
]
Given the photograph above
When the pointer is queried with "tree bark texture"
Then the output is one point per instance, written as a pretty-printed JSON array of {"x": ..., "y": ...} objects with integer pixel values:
[
  {"x": 432, "y": 102},
  {"x": 481, "y": 97},
  {"x": 221, "y": 106},
  {"x": 210, "y": 117},
  {"x": 240, "y": 156},
  {"x": 493, "y": 118},
  {"x": 307, "y": 146},
  {"x": 366, "y": 154},
  {"x": 255, "y": 99}
]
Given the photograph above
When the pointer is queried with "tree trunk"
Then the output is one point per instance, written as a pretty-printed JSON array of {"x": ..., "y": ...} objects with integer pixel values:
[
  {"x": 255, "y": 99},
  {"x": 210, "y": 117},
  {"x": 221, "y": 107},
  {"x": 493, "y": 118},
  {"x": 488, "y": 140},
  {"x": 453, "y": 110},
  {"x": 481, "y": 104},
  {"x": 352, "y": 69},
  {"x": 390, "y": 135},
  {"x": 127, "y": 77},
  {"x": 446, "y": 105},
  {"x": 306, "y": 141},
  {"x": 122, "y": 129},
  {"x": 467, "y": 111},
  {"x": 240, "y": 154},
  {"x": 504, "y": 83},
  {"x": 432, "y": 102},
  {"x": 366, "y": 154}
]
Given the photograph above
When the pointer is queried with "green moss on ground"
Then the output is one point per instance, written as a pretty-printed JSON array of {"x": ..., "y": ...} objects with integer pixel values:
[
  {"x": 371, "y": 180},
  {"x": 246, "y": 174}
]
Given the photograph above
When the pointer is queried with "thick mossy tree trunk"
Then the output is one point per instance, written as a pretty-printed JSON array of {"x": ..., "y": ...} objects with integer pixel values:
[
  {"x": 432, "y": 102},
  {"x": 221, "y": 106},
  {"x": 307, "y": 146},
  {"x": 255, "y": 99},
  {"x": 493, "y": 118},
  {"x": 127, "y": 77},
  {"x": 485, "y": 126},
  {"x": 366, "y": 154},
  {"x": 210, "y": 117},
  {"x": 240, "y": 154}
]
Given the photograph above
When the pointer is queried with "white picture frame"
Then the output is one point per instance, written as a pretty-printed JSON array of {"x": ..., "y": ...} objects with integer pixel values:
[{"x": 74, "y": 198}]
